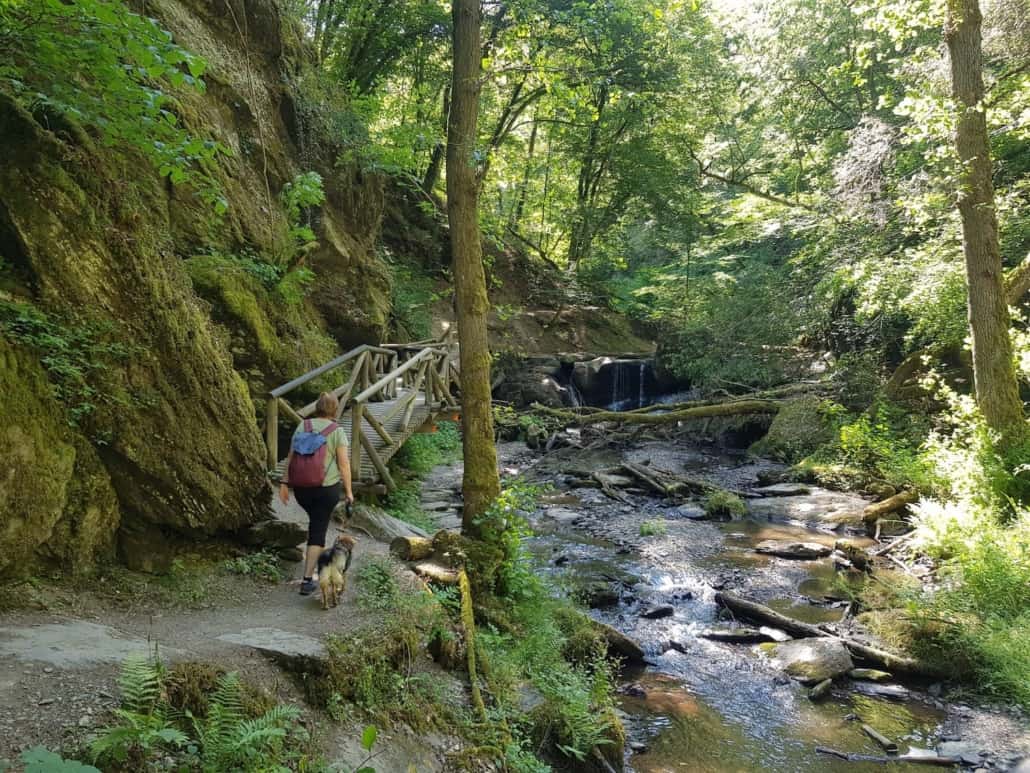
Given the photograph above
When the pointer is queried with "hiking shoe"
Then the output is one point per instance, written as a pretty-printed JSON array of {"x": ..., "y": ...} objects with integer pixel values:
[{"x": 307, "y": 587}]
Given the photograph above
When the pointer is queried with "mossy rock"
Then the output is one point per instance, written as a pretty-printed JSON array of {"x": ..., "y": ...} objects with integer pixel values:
[
  {"x": 797, "y": 430},
  {"x": 56, "y": 500},
  {"x": 190, "y": 455}
]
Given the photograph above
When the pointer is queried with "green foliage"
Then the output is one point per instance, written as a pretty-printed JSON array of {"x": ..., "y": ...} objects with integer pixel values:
[
  {"x": 39, "y": 759},
  {"x": 505, "y": 527},
  {"x": 78, "y": 354},
  {"x": 883, "y": 443},
  {"x": 225, "y": 737},
  {"x": 377, "y": 587},
  {"x": 134, "y": 71},
  {"x": 426, "y": 450},
  {"x": 411, "y": 300},
  {"x": 303, "y": 193},
  {"x": 554, "y": 651},
  {"x": 724, "y": 504},
  {"x": 263, "y": 564},
  {"x": 420, "y": 454},
  {"x": 372, "y": 669},
  {"x": 653, "y": 528}
]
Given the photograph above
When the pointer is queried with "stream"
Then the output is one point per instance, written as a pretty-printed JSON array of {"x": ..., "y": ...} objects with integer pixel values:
[{"x": 702, "y": 705}]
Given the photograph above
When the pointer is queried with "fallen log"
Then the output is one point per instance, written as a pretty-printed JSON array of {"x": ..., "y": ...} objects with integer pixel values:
[
  {"x": 734, "y": 408},
  {"x": 437, "y": 573},
  {"x": 411, "y": 548},
  {"x": 876, "y": 511},
  {"x": 886, "y": 743},
  {"x": 898, "y": 664},
  {"x": 853, "y": 757}
]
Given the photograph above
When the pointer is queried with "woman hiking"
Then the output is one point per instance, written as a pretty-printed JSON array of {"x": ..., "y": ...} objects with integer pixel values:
[{"x": 315, "y": 467}]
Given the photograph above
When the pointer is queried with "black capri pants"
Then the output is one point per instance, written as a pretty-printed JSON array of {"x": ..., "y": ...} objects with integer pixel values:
[{"x": 319, "y": 504}]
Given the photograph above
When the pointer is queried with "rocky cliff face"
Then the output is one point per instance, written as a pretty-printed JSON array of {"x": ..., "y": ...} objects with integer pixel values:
[{"x": 167, "y": 443}]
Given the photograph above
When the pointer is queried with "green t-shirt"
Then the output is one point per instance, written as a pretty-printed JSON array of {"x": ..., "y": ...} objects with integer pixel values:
[{"x": 336, "y": 439}]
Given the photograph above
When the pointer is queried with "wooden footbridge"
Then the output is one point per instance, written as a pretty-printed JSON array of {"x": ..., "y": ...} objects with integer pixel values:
[{"x": 388, "y": 393}]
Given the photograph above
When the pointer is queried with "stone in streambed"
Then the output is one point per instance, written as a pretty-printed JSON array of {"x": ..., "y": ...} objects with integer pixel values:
[
  {"x": 894, "y": 692},
  {"x": 803, "y": 551},
  {"x": 775, "y": 634},
  {"x": 655, "y": 613},
  {"x": 821, "y": 690},
  {"x": 740, "y": 635},
  {"x": 619, "y": 643},
  {"x": 869, "y": 674},
  {"x": 784, "y": 490},
  {"x": 810, "y": 661}
]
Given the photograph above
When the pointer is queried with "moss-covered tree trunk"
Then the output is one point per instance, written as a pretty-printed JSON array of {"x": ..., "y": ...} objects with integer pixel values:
[
  {"x": 997, "y": 390},
  {"x": 481, "y": 484}
]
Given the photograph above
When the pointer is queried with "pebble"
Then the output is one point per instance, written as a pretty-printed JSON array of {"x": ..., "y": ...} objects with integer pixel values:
[
  {"x": 45, "y": 702},
  {"x": 48, "y": 669}
]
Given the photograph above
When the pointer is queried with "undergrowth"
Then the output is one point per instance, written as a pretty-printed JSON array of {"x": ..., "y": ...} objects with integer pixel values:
[
  {"x": 263, "y": 564},
  {"x": 199, "y": 717},
  {"x": 415, "y": 459}
]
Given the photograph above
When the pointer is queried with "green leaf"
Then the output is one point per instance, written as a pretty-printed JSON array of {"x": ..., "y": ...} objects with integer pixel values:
[{"x": 368, "y": 738}]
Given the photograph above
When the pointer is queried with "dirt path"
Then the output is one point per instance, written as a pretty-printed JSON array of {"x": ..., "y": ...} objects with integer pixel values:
[{"x": 59, "y": 665}]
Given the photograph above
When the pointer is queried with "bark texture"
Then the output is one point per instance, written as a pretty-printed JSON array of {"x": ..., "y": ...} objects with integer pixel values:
[
  {"x": 997, "y": 391},
  {"x": 481, "y": 483}
]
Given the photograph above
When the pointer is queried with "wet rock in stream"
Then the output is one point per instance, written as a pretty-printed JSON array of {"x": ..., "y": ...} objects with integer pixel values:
[
  {"x": 810, "y": 661},
  {"x": 802, "y": 551},
  {"x": 658, "y": 612}
]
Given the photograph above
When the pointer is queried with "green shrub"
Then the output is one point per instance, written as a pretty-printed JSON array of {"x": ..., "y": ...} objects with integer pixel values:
[
  {"x": 724, "y": 504},
  {"x": 653, "y": 528},
  {"x": 374, "y": 668},
  {"x": 264, "y": 565},
  {"x": 377, "y": 586}
]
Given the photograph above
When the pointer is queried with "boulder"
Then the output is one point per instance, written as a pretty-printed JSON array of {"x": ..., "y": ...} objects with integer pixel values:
[
  {"x": 802, "y": 551},
  {"x": 658, "y": 612},
  {"x": 293, "y": 651},
  {"x": 810, "y": 661},
  {"x": 894, "y": 692},
  {"x": 382, "y": 526},
  {"x": 620, "y": 644},
  {"x": 784, "y": 490},
  {"x": 274, "y": 533},
  {"x": 738, "y": 635}
]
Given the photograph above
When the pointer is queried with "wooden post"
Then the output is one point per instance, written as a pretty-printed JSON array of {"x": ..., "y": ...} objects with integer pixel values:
[
  {"x": 272, "y": 431},
  {"x": 378, "y": 463},
  {"x": 355, "y": 440}
]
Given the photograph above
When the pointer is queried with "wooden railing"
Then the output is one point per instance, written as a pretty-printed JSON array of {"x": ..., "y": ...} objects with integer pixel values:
[{"x": 413, "y": 382}]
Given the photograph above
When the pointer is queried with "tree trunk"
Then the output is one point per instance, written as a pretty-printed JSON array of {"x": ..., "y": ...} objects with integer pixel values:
[
  {"x": 997, "y": 390},
  {"x": 481, "y": 483},
  {"x": 432, "y": 175}
]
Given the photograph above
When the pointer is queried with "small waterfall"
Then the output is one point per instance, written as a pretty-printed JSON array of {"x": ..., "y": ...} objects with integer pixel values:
[
  {"x": 575, "y": 398},
  {"x": 640, "y": 397}
]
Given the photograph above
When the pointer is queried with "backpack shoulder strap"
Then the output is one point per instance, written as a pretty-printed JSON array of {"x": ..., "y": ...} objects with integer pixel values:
[
  {"x": 307, "y": 425},
  {"x": 333, "y": 426}
]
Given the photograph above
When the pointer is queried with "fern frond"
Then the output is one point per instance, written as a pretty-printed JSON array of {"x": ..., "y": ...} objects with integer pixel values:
[{"x": 140, "y": 685}]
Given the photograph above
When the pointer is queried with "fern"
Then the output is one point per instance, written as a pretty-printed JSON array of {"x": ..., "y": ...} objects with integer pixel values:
[
  {"x": 230, "y": 741},
  {"x": 140, "y": 685}
]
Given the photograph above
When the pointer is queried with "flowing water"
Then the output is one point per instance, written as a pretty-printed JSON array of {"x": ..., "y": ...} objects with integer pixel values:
[{"x": 702, "y": 705}]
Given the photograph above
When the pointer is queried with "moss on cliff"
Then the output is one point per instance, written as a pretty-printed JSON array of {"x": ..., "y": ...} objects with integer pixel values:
[
  {"x": 55, "y": 497},
  {"x": 271, "y": 338},
  {"x": 95, "y": 244}
]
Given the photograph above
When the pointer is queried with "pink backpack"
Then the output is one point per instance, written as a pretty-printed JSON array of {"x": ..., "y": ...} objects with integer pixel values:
[{"x": 307, "y": 467}]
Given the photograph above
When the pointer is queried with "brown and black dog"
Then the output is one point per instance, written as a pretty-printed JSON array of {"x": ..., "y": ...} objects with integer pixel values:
[{"x": 333, "y": 563}]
